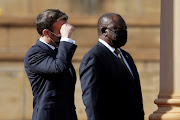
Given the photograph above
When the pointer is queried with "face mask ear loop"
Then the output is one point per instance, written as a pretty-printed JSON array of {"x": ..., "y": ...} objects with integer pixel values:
[
  {"x": 59, "y": 35},
  {"x": 54, "y": 42}
]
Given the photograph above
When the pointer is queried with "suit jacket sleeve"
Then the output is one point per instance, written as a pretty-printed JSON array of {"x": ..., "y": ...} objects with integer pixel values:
[
  {"x": 43, "y": 63},
  {"x": 89, "y": 76}
]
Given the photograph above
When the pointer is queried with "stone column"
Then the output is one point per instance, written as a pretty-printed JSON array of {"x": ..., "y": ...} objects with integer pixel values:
[{"x": 168, "y": 100}]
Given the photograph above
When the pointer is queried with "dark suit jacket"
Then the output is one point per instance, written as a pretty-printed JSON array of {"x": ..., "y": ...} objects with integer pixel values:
[
  {"x": 52, "y": 77},
  {"x": 109, "y": 92}
]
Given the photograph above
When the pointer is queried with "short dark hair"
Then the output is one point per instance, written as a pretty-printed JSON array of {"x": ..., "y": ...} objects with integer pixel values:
[
  {"x": 47, "y": 18},
  {"x": 104, "y": 16}
]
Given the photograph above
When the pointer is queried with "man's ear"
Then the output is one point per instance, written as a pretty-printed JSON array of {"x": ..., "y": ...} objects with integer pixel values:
[
  {"x": 45, "y": 32},
  {"x": 103, "y": 30}
]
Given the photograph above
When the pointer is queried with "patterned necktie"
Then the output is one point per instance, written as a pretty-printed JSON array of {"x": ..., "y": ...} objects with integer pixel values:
[{"x": 117, "y": 52}]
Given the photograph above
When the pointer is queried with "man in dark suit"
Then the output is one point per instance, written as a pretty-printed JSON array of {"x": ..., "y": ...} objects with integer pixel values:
[
  {"x": 109, "y": 78},
  {"x": 49, "y": 68}
]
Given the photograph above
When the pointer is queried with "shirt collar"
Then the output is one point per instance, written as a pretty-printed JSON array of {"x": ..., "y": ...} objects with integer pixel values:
[
  {"x": 52, "y": 47},
  {"x": 108, "y": 46}
]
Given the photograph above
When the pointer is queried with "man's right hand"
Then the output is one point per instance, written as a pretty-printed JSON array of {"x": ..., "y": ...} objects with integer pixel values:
[{"x": 66, "y": 30}]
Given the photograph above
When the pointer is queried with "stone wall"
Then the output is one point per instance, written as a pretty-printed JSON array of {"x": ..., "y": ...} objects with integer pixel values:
[{"x": 18, "y": 34}]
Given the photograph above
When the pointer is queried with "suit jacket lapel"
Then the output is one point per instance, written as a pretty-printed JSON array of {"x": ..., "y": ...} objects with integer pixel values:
[
  {"x": 108, "y": 53},
  {"x": 45, "y": 47},
  {"x": 126, "y": 56},
  {"x": 130, "y": 63},
  {"x": 115, "y": 60}
]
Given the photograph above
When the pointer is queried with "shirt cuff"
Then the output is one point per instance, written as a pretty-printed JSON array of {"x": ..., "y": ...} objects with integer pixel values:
[{"x": 68, "y": 40}]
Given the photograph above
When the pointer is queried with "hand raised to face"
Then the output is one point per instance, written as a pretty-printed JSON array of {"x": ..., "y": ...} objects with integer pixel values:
[{"x": 66, "y": 30}]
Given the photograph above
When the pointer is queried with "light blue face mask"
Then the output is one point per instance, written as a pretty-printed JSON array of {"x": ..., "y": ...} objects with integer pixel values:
[{"x": 56, "y": 42}]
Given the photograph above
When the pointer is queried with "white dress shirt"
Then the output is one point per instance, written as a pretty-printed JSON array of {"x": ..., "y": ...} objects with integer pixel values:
[{"x": 112, "y": 50}]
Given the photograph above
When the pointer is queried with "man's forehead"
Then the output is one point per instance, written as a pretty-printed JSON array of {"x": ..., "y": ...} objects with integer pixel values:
[
  {"x": 116, "y": 23},
  {"x": 59, "y": 23}
]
